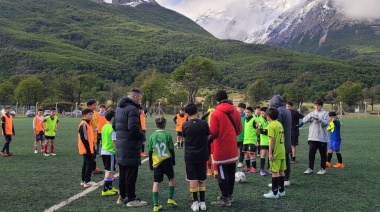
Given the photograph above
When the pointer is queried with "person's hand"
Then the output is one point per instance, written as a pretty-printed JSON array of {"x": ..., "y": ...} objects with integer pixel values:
[
  {"x": 315, "y": 117},
  {"x": 300, "y": 125},
  {"x": 271, "y": 157}
]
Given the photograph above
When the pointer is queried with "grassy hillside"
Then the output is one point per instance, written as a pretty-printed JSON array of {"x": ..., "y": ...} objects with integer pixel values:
[{"x": 117, "y": 42}]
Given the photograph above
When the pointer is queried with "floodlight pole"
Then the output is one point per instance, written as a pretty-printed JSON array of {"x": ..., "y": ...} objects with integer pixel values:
[
  {"x": 365, "y": 109},
  {"x": 36, "y": 106},
  {"x": 56, "y": 106},
  {"x": 16, "y": 107}
]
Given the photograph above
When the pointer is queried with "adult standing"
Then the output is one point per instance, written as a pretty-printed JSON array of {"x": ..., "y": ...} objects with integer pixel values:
[
  {"x": 129, "y": 137},
  {"x": 296, "y": 116},
  {"x": 225, "y": 125},
  {"x": 285, "y": 118}
]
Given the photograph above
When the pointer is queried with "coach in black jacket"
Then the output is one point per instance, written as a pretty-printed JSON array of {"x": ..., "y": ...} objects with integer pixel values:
[{"x": 128, "y": 146}]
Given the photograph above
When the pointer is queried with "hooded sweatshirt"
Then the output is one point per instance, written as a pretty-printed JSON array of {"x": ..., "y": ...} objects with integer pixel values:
[
  {"x": 319, "y": 121},
  {"x": 285, "y": 118},
  {"x": 224, "y": 133},
  {"x": 129, "y": 135}
]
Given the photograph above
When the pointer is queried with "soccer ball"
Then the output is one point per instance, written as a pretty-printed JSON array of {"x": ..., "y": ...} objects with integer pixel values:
[{"x": 240, "y": 177}]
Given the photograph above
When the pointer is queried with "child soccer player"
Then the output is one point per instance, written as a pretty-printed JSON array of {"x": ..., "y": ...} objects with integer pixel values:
[
  {"x": 101, "y": 122},
  {"x": 8, "y": 130},
  {"x": 196, "y": 133},
  {"x": 143, "y": 128},
  {"x": 86, "y": 147},
  {"x": 249, "y": 143},
  {"x": 179, "y": 119},
  {"x": 161, "y": 160},
  {"x": 241, "y": 108},
  {"x": 264, "y": 141},
  {"x": 335, "y": 140},
  {"x": 50, "y": 126},
  {"x": 91, "y": 104},
  {"x": 108, "y": 153},
  {"x": 39, "y": 134},
  {"x": 276, "y": 154}
]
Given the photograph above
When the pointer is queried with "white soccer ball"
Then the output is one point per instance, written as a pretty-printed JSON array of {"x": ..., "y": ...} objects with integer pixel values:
[{"x": 240, "y": 177}]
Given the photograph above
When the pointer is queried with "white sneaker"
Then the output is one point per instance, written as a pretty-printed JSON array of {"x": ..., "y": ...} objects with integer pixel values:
[
  {"x": 81, "y": 183},
  {"x": 195, "y": 206},
  {"x": 53, "y": 154},
  {"x": 287, "y": 183},
  {"x": 89, "y": 184},
  {"x": 239, "y": 165},
  {"x": 308, "y": 171},
  {"x": 136, "y": 203},
  {"x": 202, "y": 206},
  {"x": 281, "y": 194},
  {"x": 270, "y": 195},
  {"x": 322, "y": 171},
  {"x": 35, "y": 151},
  {"x": 46, "y": 154}
]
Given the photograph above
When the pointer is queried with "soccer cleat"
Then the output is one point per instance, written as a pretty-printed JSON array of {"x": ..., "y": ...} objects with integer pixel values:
[
  {"x": 281, "y": 194},
  {"x": 209, "y": 172},
  {"x": 121, "y": 200},
  {"x": 46, "y": 154},
  {"x": 328, "y": 164},
  {"x": 246, "y": 169},
  {"x": 89, "y": 184},
  {"x": 97, "y": 171},
  {"x": 339, "y": 166},
  {"x": 230, "y": 199},
  {"x": 216, "y": 174},
  {"x": 287, "y": 183},
  {"x": 108, "y": 193},
  {"x": 221, "y": 202},
  {"x": 195, "y": 206},
  {"x": 143, "y": 154},
  {"x": 4, "y": 154},
  {"x": 81, "y": 183},
  {"x": 322, "y": 171},
  {"x": 253, "y": 170},
  {"x": 292, "y": 161},
  {"x": 239, "y": 165},
  {"x": 136, "y": 203},
  {"x": 202, "y": 206},
  {"x": 157, "y": 208},
  {"x": 114, "y": 189},
  {"x": 53, "y": 154},
  {"x": 308, "y": 171},
  {"x": 35, "y": 151},
  {"x": 270, "y": 195},
  {"x": 262, "y": 173},
  {"x": 171, "y": 202}
]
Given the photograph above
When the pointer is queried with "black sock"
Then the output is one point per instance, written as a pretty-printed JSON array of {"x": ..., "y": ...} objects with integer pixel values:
[
  {"x": 106, "y": 188},
  {"x": 262, "y": 163},
  {"x": 253, "y": 163},
  {"x": 293, "y": 158},
  {"x": 202, "y": 196},
  {"x": 195, "y": 196},
  {"x": 329, "y": 156},
  {"x": 281, "y": 186},
  {"x": 339, "y": 156},
  {"x": 248, "y": 163},
  {"x": 275, "y": 185}
]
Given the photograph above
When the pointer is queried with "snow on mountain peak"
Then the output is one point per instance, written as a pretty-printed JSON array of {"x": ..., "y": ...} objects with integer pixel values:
[{"x": 132, "y": 3}]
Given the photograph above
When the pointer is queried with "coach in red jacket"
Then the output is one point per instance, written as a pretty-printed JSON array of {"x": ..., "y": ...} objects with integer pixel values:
[{"x": 225, "y": 125}]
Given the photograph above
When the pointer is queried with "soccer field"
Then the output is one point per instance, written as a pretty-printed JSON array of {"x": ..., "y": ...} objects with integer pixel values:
[{"x": 32, "y": 182}]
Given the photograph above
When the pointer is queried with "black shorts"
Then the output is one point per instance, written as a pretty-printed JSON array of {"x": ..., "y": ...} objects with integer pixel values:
[
  {"x": 40, "y": 136},
  {"x": 196, "y": 171},
  {"x": 49, "y": 137},
  {"x": 109, "y": 162},
  {"x": 251, "y": 148},
  {"x": 8, "y": 138},
  {"x": 165, "y": 167},
  {"x": 264, "y": 147},
  {"x": 294, "y": 140},
  {"x": 179, "y": 133}
]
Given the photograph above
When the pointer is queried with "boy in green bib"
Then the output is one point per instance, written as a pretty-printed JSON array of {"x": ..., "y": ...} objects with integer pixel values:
[
  {"x": 50, "y": 126},
  {"x": 249, "y": 142},
  {"x": 264, "y": 141}
]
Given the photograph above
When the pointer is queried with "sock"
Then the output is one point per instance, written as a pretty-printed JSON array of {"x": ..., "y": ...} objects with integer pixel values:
[
  {"x": 45, "y": 148},
  {"x": 262, "y": 163},
  {"x": 329, "y": 156},
  {"x": 35, "y": 147},
  {"x": 51, "y": 148},
  {"x": 339, "y": 156},
  {"x": 215, "y": 168},
  {"x": 171, "y": 192},
  {"x": 105, "y": 188},
  {"x": 194, "y": 193},
  {"x": 294, "y": 158},
  {"x": 248, "y": 163},
  {"x": 202, "y": 193},
  {"x": 253, "y": 163},
  {"x": 281, "y": 186},
  {"x": 142, "y": 147},
  {"x": 155, "y": 198},
  {"x": 208, "y": 164},
  {"x": 275, "y": 185},
  {"x": 109, "y": 183}
]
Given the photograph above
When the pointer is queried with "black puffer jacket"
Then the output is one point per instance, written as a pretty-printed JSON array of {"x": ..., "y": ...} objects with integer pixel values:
[{"x": 128, "y": 132}]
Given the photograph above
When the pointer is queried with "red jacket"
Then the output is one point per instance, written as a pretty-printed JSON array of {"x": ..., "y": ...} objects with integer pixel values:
[{"x": 224, "y": 133}]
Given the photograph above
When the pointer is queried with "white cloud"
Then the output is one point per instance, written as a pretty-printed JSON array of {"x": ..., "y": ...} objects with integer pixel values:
[{"x": 363, "y": 9}]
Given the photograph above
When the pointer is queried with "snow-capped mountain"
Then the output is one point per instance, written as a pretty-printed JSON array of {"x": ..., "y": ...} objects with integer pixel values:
[
  {"x": 282, "y": 22},
  {"x": 132, "y": 3}
]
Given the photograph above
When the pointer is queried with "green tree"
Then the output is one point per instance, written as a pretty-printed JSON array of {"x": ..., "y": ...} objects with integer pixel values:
[
  {"x": 84, "y": 82},
  {"x": 66, "y": 88},
  {"x": 350, "y": 93},
  {"x": 372, "y": 95},
  {"x": 298, "y": 91},
  {"x": 155, "y": 86},
  {"x": 29, "y": 91},
  {"x": 7, "y": 93},
  {"x": 258, "y": 91},
  {"x": 331, "y": 97},
  {"x": 194, "y": 73}
]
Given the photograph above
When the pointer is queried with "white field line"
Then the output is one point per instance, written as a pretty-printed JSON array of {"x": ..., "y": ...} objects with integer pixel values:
[{"x": 81, "y": 194}]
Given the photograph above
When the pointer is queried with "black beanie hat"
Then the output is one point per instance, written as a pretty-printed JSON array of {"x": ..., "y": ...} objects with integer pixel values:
[{"x": 221, "y": 95}]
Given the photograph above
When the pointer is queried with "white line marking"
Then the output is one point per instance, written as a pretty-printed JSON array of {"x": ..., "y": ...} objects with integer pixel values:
[{"x": 81, "y": 194}]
